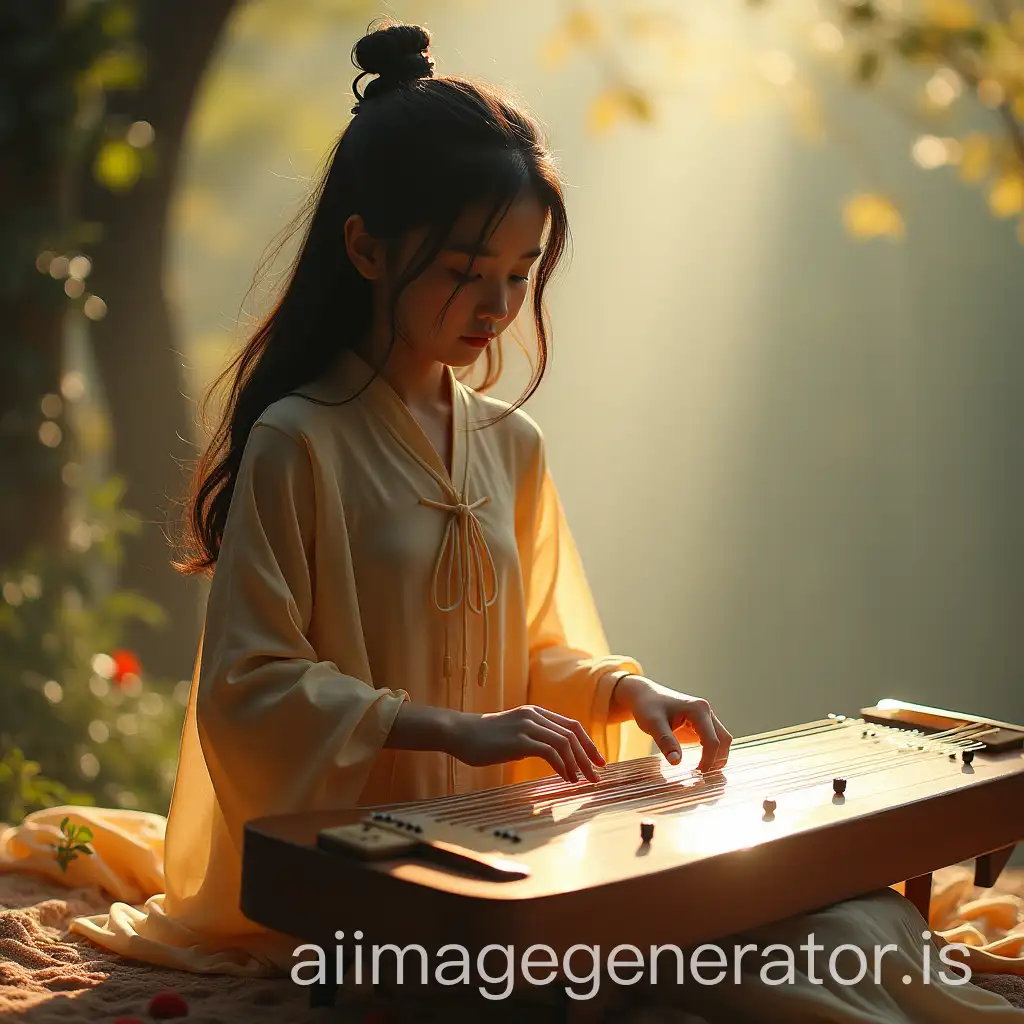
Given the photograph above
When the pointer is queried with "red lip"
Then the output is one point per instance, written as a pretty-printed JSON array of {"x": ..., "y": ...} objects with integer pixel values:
[{"x": 478, "y": 339}]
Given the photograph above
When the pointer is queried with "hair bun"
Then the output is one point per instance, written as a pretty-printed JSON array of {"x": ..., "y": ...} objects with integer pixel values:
[{"x": 396, "y": 54}]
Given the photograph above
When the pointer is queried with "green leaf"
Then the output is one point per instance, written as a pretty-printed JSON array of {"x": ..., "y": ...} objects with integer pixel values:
[
  {"x": 119, "y": 20},
  {"x": 869, "y": 65},
  {"x": 861, "y": 13},
  {"x": 108, "y": 495},
  {"x": 117, "y": 69},
  {"x": 975, "y": 38},
  {"x": 911, "y": 42}
]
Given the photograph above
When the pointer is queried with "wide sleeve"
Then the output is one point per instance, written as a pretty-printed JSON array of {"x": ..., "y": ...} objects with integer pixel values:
[
  {"x": 571, "y": 669},
  {"x": 281, "y": 730}
]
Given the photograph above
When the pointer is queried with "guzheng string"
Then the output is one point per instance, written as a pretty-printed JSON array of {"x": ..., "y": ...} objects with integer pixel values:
[{"x": 769, "y": 764}]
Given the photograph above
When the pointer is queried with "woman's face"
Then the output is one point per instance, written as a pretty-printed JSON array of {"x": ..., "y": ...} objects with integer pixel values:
[{"x": 491, "y": 294}]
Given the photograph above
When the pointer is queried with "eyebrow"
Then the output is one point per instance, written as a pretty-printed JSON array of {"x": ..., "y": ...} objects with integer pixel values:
[{"x": 467, "y": 249}]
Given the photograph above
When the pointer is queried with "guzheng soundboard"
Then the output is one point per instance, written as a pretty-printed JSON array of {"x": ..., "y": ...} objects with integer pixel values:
[{"x": 801, "y": 817}]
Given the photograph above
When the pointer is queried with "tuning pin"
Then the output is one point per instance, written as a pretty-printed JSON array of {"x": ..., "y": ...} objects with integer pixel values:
[
  {"x": 968, "y": 756},
  {"x": 769, "y": 806},
  {"x": 646, "y": 831},
  {"x": 839, "y": 786}
]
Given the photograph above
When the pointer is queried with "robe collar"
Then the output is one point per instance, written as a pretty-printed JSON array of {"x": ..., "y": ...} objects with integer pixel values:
[
  {"x": 465, "y": 578},
  {"x": 352, "y": 375}
]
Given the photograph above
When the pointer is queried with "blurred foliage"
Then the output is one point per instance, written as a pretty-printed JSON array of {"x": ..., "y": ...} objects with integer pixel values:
[
  {"x": 929, "y": 61},
  {"x": 75, "y": 725},
  {"x": 68, "y": 694},
  {"x": 23, "y": 789},
  {"x": 54, "y": 77}
]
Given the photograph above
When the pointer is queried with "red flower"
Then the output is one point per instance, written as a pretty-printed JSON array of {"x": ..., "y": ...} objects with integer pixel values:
[
  {"x": 165, "y": 1005},
  {"x": 125, "y": 663}
]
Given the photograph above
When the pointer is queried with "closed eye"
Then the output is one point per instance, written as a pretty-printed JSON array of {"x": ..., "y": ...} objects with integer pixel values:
[{"x": 467, "y": 278}]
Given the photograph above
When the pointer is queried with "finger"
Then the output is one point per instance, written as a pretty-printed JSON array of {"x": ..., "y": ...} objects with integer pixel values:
[
  {"x": 559, "y": 739},
  {"x": 563, "y": 741},
  {"x": 539, "y": 727},
  {"x": 586, "y": 744},
  {"x": 582, "y": 758},
  {"x": 583, "y": 736},
  {"x": 724, "y": 740},
  {"x": 538, "y": 748},
  {"x": 665, "y": 738},
  {"x": 699, "y": 715}
]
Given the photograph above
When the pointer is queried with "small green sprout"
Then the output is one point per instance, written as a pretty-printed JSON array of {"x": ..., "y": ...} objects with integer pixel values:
[{"x": 74, "y": 842}]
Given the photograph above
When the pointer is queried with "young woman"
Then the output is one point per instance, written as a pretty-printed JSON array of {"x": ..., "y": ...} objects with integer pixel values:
[{"x": 398, "y": 610}]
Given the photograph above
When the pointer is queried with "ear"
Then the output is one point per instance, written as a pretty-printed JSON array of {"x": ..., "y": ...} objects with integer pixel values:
[{"x": 365, "y": 251}]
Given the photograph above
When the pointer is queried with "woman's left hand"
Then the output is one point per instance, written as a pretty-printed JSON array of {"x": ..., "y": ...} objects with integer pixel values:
[{"x": 664, "y": 713}]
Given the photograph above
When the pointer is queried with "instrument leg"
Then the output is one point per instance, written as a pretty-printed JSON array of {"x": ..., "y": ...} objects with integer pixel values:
[
  {"x": 988, "y": 867},
  {"x": 919, "y": 892}
]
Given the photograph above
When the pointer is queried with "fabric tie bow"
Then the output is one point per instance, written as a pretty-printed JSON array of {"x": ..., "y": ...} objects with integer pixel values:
[{"x": 468, "y": 560}]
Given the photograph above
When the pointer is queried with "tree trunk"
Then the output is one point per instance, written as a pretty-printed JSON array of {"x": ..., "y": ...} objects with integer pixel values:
[
  {"x": 34, "y": 200},
  {"x": 137, "y": 344},
  {"x": 31, "y": 513}
]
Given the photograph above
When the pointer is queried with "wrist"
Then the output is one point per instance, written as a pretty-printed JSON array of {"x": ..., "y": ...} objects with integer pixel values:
[
  {"x": 450, "y": 726},
  {"x": 624, "y": 693},
  {"x": 424, "y": 727}
]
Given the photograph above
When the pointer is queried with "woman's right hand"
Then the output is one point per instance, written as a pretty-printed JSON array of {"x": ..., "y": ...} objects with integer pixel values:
[{"x": 527, "y": 731}]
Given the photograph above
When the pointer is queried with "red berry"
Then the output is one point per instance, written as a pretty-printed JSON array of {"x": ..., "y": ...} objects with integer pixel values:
[{"x": 165, "y": 1005}]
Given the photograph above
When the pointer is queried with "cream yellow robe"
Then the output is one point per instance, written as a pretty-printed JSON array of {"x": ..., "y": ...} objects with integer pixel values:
[{"x": 337, "y": 596}]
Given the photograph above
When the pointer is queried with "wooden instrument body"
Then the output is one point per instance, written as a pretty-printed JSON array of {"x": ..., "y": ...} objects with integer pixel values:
[{"x": 716, "y": 864}]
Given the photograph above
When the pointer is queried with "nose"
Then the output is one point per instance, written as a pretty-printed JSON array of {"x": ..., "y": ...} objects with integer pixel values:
[{"x": 494, "y": 305}]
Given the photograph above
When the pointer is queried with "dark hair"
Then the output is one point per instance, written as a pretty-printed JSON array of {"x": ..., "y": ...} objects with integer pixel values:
[{"x": 419, "y": 151}]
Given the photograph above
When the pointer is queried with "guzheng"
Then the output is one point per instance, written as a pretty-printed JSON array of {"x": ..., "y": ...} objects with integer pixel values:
[{"x": 801, "y": 817}]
